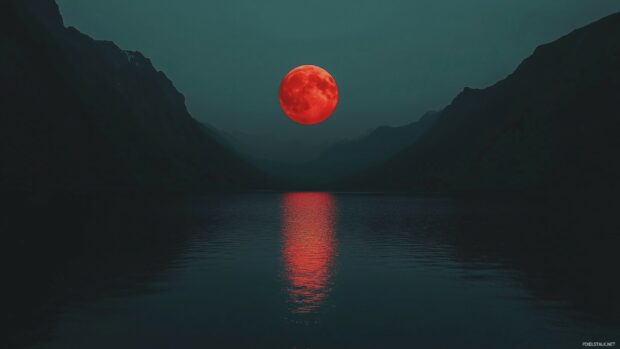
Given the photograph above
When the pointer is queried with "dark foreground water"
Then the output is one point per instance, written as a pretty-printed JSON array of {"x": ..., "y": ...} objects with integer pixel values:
[{"x": 308, "y": 270}]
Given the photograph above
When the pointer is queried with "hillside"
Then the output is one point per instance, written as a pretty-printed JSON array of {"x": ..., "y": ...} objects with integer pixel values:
[
  {"x": 549, "y": 127},
  {"x": 350, "y": 156},
  {"x": 82, "y": 113},
  {"x": 300, "y": 164}
]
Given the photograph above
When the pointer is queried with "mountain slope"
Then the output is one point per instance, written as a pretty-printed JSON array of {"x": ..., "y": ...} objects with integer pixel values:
[
  {"x": 300, "y": 164},
  {"x": 550, "y": 126},
  {"x": 347, "y": 157},
  {"x": 83, "y": 113}
]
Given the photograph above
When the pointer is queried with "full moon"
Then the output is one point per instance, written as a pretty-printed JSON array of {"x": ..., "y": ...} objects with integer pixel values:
[{"x": 308, "y": 94}]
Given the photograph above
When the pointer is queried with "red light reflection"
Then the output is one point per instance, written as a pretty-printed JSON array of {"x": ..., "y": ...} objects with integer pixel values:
[{"x": 309, "y": 248}]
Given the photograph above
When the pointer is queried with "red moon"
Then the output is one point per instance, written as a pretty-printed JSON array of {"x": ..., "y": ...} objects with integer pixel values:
[{"x": 308, "y": 94}]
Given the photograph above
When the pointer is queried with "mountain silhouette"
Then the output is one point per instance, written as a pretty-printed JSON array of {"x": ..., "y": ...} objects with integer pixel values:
[
  {"x": 549, "y": 127},
  {"x": 347, "y": 157},
  {"x": 299, "y": 164},
  {"x": 78, "y": 112}
]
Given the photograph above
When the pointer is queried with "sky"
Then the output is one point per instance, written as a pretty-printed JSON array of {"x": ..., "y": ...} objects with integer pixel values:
[{"x": 393, "y": 60}]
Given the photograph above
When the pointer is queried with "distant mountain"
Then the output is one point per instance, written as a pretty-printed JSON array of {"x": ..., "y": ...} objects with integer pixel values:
[
  {"x": 78, "y": 112},
  {"x": 551, "y": 126},
  {"x": 348, "y": 157},
  {"x": 302, "y": 164},
  {"x": 265, "y": 148}
]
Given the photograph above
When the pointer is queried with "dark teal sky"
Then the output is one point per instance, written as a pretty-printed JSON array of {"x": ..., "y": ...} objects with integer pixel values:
[{"x": 393, "y": 60}]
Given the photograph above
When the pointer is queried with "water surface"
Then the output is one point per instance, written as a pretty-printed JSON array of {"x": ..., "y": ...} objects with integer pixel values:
[{"x": 321, "y": 270}]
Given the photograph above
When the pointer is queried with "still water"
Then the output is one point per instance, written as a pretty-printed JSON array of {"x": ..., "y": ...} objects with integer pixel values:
[{"x": 322, "y": 270}]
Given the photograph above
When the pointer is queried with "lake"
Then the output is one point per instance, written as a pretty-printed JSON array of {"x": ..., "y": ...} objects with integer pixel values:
[{"x": 307, "y": 270}]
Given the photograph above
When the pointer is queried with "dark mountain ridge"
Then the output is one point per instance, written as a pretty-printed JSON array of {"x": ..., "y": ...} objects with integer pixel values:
[
  {"x": 303, "y": 165},
  {"x": 348, "y": 157},
  {"x": 549, "y": 127},
  {"x": 80, "y": 113}
]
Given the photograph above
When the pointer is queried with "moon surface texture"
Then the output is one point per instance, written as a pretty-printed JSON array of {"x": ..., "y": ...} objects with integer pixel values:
[{"x": 308, "y": 94}]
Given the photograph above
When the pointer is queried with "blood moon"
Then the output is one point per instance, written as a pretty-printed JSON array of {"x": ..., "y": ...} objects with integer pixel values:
[{"x": 308, "y": 94}]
